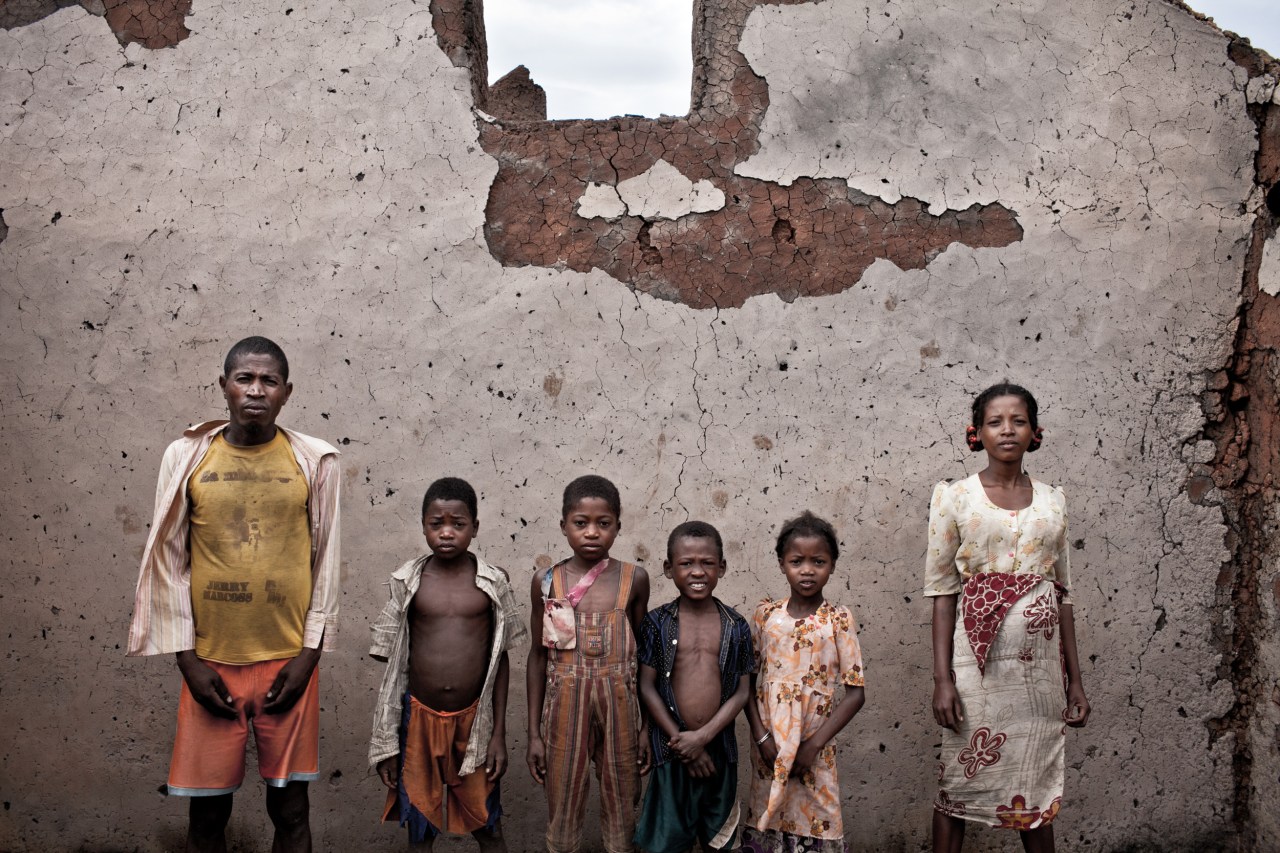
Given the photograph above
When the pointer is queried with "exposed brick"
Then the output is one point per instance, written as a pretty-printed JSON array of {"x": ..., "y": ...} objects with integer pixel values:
[{"x": 515, "y": 97}]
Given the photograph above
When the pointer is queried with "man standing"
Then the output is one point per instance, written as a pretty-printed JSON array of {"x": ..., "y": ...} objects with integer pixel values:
[{"x": 239, "y": 580}]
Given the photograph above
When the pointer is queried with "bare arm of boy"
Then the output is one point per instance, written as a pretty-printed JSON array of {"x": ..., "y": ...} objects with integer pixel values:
[
  {"x": 761, "y": 735},
  {"x": 637, "y": 607},
  {"x": 695, "y": 759},
  {"x": 1077, "y": 704},
  {"x": 841, "y": 714},
  {"x": 535, "y": 681},
  {"x": 947, "y": 709},
  {"x": 653, "y": 704},
  {"x": 495, "y": 762},
  {"x": 688, "y": 744}
]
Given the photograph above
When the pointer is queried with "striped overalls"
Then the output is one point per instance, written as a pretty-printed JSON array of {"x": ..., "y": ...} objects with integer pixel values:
[{"x": 590, "y": 711}]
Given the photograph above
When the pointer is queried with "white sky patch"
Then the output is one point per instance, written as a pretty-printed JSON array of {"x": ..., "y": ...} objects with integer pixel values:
[
  {"x": 602, "y": 58},
  {"x": 1257, "y": 20},
  {"x": 597, "y": 58}
]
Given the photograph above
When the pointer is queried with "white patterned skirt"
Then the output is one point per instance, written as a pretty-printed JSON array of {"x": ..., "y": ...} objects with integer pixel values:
[{"x": 1004, "y": 767}]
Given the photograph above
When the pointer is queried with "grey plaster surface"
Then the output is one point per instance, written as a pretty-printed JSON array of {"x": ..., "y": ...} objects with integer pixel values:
[{"x": 315, "y": 176}]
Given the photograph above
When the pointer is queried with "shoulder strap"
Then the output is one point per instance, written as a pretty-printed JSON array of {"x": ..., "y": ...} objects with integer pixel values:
[
  {"x": 626, "y": 573},
  {"x": 548, "y": 581},
  {"x": 580, "y": 588}
]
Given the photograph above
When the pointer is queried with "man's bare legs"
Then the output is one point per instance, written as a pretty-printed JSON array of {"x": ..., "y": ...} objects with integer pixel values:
[
  {"x": 207, "y": 826},
  {"x": 290, "y": 811}
]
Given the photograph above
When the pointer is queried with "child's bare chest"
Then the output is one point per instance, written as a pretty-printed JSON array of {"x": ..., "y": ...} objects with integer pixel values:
[
  {"x": 698, "y": 646},
  {"x": 449, "y": 598}
]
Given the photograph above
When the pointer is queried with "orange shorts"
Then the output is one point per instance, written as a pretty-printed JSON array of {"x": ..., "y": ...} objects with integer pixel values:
[
  {"x": 431, "y": 797},
  {"x": 208, "y": 751}
]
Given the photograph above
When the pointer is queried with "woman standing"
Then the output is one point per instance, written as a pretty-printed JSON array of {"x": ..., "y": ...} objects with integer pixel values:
[{"x": 1004, "y": 641}]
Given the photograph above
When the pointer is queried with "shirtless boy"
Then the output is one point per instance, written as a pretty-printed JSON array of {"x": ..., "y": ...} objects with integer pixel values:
[
  {"x": 445, "y": 634},
  {"x": 581, "y": 688},
  {"x": 693, "y": 700}
]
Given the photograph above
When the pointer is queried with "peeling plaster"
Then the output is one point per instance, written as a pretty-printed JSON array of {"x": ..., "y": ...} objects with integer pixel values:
[
  {"x": 662, "y": 192},
  {"x": 151, "y": 23},
  {"x": 601, "y": 201},
  {"x": 793, "y": 239},
  {"x": 1269, "y": 271}
]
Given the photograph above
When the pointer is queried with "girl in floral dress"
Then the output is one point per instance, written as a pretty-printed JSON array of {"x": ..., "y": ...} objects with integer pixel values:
[
  {"x": 998, "y": 553},
  {"x": 807, "y": 649}
]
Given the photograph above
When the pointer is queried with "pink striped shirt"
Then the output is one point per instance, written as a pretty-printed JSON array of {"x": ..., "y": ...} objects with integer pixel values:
[{"x": 162, "y": 621}]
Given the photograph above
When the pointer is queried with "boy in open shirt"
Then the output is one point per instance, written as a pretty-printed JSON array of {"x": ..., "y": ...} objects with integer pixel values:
[
  {"x": 445, "y": 634},
  {"x": 695, "y": 663}
]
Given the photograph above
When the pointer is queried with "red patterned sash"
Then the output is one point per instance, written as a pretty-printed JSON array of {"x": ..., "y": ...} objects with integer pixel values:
[{"x": 986, "y": 599}]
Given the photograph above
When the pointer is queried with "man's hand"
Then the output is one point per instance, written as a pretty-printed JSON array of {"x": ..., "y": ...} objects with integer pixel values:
[
  {"x": 388, "y": 771},
  {"x": 206, "y": 685},
  {"x": 495, "y": 761},
  {"x": 290, "y": 683}
]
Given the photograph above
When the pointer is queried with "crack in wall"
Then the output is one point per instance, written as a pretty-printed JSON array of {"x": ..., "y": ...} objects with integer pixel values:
[
  {"x": 811, "y": 237},
  {"x": 1242, "y": 413},
  {"x": 153, "y": 24}
]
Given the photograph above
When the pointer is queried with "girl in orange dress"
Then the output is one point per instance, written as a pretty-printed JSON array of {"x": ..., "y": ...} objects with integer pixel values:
[
  {"x": 807, "y": 649},
  {"x": 998, "y": 554}
]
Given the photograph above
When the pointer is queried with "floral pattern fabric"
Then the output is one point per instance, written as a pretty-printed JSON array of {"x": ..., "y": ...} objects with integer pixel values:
[
  {"x": 802, "y": 665},
  {"x": 969, "y": 535},
  {"x": 1004, "y": 767}
]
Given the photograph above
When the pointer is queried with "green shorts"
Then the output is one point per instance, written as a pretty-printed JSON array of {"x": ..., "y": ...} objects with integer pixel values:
[{"x": 680, "y": 810}]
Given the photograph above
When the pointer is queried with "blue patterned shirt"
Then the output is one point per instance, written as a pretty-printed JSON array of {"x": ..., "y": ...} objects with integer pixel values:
[{"x": 659, "y": 639}]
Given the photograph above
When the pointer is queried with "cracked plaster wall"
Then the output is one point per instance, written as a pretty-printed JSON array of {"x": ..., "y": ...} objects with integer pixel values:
[{"x": 316, "y": 174}]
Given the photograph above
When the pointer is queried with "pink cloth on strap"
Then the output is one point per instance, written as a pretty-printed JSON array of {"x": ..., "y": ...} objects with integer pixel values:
[{"x": 559, "y": 629}]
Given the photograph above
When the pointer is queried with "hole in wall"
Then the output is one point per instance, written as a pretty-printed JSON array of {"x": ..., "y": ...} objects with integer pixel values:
[{"x": 596, "y": 59}]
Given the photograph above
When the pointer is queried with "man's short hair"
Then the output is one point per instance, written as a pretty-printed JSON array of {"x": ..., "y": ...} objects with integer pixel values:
[{"x": 256, "y": 345}]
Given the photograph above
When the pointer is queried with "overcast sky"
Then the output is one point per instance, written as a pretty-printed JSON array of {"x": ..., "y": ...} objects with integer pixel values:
[{"x": 601, "y": 58}]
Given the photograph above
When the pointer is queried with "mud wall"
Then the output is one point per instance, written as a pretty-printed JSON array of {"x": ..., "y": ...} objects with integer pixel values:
[{"x": 783, "y": 300}]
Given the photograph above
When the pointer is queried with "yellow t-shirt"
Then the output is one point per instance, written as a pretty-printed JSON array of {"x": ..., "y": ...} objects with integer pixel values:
[{"x": 250, "y": 552}]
